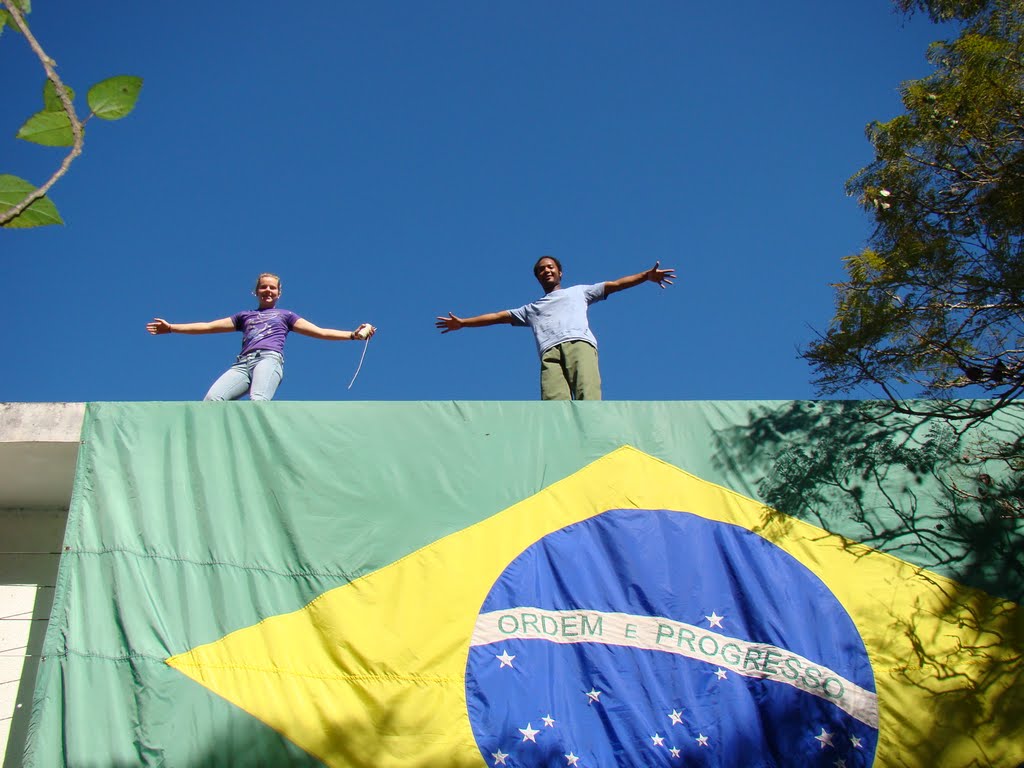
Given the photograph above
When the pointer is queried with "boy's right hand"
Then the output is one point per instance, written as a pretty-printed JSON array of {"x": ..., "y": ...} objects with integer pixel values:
[{"x": 450, "y": 323}]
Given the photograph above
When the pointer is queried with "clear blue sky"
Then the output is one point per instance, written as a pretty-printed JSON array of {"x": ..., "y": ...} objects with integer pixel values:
[{"x": 393, "y": 161}]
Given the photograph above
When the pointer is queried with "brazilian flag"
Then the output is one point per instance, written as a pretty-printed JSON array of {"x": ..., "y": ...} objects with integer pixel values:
[{"x": 534, "y": 584}]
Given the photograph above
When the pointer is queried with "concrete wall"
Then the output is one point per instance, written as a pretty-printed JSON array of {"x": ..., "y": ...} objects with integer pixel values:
[{"x": 38, "y": 450}]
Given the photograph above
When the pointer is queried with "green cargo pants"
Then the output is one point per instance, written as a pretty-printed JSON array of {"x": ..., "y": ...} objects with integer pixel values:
[{"x": 568, "y": 371}]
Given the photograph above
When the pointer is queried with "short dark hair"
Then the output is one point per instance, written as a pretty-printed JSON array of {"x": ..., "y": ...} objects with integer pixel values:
[{"x": 557, "y": 263}]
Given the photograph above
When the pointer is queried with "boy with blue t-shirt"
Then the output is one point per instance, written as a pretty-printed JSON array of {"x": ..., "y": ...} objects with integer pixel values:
[{"x": 565, "y": 343}]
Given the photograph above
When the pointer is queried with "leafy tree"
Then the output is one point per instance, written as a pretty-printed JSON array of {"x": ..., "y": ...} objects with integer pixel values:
[
  {"x": 935, "y": 303},
  {"x": 945, "y": 10},
  {"x": 57, "y": 124}
]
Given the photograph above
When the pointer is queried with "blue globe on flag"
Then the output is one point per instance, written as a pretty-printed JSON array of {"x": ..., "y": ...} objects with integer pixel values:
[{"x": 661, "y": 638}]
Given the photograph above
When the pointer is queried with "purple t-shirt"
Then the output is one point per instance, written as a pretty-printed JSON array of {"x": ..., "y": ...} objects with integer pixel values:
[{"x": 264, "y": 328}]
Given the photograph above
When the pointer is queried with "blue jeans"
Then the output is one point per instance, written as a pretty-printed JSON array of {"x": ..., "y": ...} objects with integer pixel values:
[{"x": 257, "y": 373}]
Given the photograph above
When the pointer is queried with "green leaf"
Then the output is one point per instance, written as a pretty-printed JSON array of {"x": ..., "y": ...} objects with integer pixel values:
[
  {"x": 115, "y": 97},
  {"x": 51, "y": 102},
  {"x": 41, "y": 213},
  {"x": 25, "y": 6},
  {"x": 51, "y": 129}
]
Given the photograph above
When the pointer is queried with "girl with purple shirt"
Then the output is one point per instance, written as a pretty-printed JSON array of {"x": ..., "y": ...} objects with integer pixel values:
[{"x": 259, "y": 367}]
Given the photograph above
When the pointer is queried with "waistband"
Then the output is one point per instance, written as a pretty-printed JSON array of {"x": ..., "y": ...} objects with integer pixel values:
[{"x": 258, "y": 353}]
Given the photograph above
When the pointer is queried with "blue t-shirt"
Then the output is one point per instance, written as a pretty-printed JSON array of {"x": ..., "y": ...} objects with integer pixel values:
[
  {"x": 560, "y": 316},
  {"x": 264, "y": 328}
]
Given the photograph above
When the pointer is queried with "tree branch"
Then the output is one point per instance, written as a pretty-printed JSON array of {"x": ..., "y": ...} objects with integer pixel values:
[{"x": 69, "y": 109}]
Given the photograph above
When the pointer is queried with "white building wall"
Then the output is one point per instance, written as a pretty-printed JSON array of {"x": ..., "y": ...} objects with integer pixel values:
[
  {"x": 38, "y": 450},
  {"x": 29, "y": 556}
]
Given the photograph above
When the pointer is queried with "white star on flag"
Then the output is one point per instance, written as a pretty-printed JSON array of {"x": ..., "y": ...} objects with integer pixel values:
[
  {"x": 856, "y": 742},
  {"x": 529, "y": 733},
  {"x": 499, "y": 757},
  {"x": 571, "y": 759},
  {"x": 674, "y": 752},
  {"x": 825, "y": 738},
  {"x": 720, "y": 674},
  {"x": 702, "y": 739},
  {"x": 505, "y": 659},
  {"x": 714, "y": 620},
  {"x": 840, "y": 763},
  {"x": 676, "y": 717},
  {"x": 549, "y": 721},
  {"x": 593, "y": 696},
  {"x": 658, "y": 741}
]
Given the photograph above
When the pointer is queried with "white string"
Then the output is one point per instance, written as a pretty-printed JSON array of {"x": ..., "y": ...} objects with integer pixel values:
[{"x": 358, "y": 367}]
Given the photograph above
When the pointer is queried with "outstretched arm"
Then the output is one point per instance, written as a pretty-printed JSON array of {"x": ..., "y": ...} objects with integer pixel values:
[
  {"x": 158, "y": 325},
  {"x": 662, "y": 277},
  {"x": 453, "y": 323},
  {"x": 306, "y": 328}
]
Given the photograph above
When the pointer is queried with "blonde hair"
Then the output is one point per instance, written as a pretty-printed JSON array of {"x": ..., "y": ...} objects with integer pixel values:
[{"x": 267, "y": 274}]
